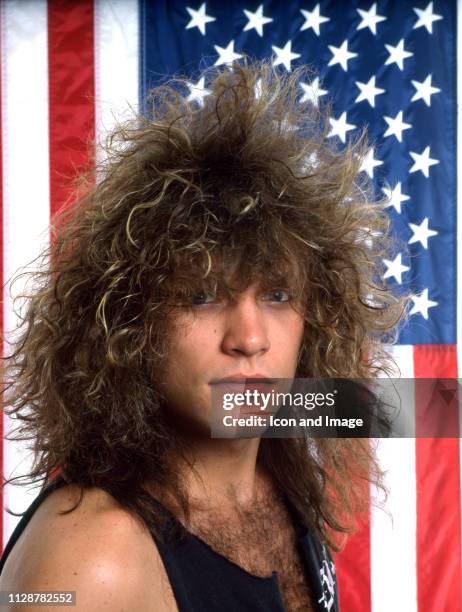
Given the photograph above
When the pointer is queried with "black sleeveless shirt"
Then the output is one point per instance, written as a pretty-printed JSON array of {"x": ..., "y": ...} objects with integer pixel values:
[{"x": 203, "y": 580}]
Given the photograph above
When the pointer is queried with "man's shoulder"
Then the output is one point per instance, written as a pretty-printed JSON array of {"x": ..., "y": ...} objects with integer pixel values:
[
  {"x": 97, "y": 523},
  {"x": 100, "y": 550}
]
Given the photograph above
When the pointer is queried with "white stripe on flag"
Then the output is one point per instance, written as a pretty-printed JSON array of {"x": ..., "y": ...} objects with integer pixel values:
[
  {"x": 26, "y": 182},
  {"x": 393, "y": 535},
  {"x": 116, "y": 62}
]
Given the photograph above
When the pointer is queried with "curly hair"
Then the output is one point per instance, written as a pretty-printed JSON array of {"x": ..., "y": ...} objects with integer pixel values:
[{"x": 245, "y": 182}]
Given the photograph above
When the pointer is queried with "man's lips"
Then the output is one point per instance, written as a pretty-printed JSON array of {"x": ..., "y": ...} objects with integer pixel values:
[
  {"x": 259, "y": 386},
  {"x": 254, "y": 382},
  {"x": 244, "y": 378},
  {"x": 240, "y": 383}
]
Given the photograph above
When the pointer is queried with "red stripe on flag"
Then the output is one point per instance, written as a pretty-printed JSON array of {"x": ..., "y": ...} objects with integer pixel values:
[
  {"x": 438, "y": 498},
  {"x": 353, "y": 567},
  {"x": 2, "y": 263},
  {"x": 71, "y": 93}
]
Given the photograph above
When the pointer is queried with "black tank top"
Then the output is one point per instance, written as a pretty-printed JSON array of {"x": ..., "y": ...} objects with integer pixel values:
[{"x": 203, "y": 580}]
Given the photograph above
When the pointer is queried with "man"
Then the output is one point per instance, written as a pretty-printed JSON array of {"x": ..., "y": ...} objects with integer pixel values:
[{"x": 225, "y": 240}]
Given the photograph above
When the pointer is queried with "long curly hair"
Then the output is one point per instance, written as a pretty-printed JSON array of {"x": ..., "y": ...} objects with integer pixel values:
[{"x": 244, "y": 181}]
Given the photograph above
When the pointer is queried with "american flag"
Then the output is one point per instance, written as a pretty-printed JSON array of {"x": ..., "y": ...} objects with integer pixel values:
[{"x": 71, "y": 67}]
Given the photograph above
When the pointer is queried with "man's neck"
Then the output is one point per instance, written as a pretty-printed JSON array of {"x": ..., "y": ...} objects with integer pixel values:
[
  {"x": 217, "y": 474},
  {"x": 224, "y": 473}
]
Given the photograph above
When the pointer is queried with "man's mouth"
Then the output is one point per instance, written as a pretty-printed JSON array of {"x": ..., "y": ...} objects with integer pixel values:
[{"x": 260, "y": 387}]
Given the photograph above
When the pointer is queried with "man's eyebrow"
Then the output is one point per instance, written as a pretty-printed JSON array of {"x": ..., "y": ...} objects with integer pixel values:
[
  {"x": 218, "y": 281},
  {"x": 280, "y": 280}
]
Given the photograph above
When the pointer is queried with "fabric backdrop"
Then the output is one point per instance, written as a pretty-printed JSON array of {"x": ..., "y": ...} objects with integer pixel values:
[{"x": 69, "y": 68}]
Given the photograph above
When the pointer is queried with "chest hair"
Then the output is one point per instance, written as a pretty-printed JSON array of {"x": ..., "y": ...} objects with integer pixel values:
[{"x": 260, "y": 539}]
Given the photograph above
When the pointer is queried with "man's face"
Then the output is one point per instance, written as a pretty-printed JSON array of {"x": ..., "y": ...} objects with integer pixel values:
[{"x": 255, "y": 332}]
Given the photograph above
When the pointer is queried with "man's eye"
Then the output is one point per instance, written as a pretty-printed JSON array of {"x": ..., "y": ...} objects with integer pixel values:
[
  {"x": 279, "y": 295},
  {"x": 202, "y": 297}
]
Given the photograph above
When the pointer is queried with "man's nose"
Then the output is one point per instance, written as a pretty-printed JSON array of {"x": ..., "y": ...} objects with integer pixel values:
[{"x": 246, "y": 331}]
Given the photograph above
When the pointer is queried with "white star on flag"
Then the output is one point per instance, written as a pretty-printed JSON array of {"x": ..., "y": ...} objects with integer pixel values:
[
  {"x": 422, "y": 161},
  {"x": 369, "y": 242},
  {"x": 257, "y": 89},
  {"x": 256, "y": 20},
  {"x": 313, "y": 19},
  {"x": 227, "y": 54},
  {"x": 285, "y": 125},
  {"x": 422, "y": 304},
  {"x": 369, "y": 163},
  {"x": 395, "y": 197},
  {"x": 366, "y": 236},
  {"x": 424, "y": 90},
  {"x": 285, "y": 55},
  {"x": 396, "y": 126},
  {"x": 310, "y": 162},
  {"x": 369, "y": 299},
  {"x": 368, "y": 91},
  {"x": 395, "y": 268},
  {"x": 426, "y": 18},
  {"x": 370, "y": 19},
  {"x": 198, "y": 92},
  {"x": 312, "y": 92},
  {"x": 199, "y": 18},
  {"x": 397, "y": 54},
  {"x": 421, "y": 233},
  {"x": 341, "y": 55},
  {"x": 339, "y": 127}
]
